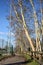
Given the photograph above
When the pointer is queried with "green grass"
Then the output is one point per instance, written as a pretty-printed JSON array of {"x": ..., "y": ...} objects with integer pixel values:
[
  {"x": 1, "y": 57},
  {"x": 31, "y": 62},
  {"x": 27, "y": 56}
]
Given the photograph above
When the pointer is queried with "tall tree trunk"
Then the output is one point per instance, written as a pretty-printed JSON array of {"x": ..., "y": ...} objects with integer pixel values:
[
  {"x": 25, "y": 27},
  {"x": 41, "y": 19},
  {"x": 38, "y": 45},
  {"x": 26, "y": 32}
]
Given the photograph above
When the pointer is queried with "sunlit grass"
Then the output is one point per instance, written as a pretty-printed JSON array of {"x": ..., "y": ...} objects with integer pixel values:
[
  {"x": 31, "y": 61},
  {"x": 27, "y": 56}
]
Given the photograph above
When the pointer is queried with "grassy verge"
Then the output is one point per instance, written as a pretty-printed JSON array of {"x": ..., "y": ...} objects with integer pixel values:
[
  {"x": 31, "y": 61},
  {"x": 27, "y": 56}
]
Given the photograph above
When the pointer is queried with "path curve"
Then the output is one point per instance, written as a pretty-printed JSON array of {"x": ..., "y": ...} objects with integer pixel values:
[{"x": 14, "y": 59}]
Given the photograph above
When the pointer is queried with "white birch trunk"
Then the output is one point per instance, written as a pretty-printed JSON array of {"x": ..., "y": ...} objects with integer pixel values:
[
  {"x": 26, "y": 32},
  {"x": 38, "y": 45}
]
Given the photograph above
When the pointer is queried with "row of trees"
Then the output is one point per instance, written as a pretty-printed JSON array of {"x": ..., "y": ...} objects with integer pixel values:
[{"x": 26, "y": 21}]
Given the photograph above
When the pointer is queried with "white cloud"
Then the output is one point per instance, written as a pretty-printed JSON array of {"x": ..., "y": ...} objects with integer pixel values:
[{"x": 7, "y": 33}]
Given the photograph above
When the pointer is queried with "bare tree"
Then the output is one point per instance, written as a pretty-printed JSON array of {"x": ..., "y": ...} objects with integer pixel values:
[
  {"x": 21, "y": 24},
  {"x": 22, "y": 20}
]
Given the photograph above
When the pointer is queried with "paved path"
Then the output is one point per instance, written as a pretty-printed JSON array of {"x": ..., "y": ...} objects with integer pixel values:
[{"x": 11, "y": 60}]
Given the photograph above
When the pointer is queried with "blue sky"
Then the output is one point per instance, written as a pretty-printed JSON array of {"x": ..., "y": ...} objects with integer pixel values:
[
  {"x": 4, "y": 12},
  {"x": 3, "y": 21}
]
